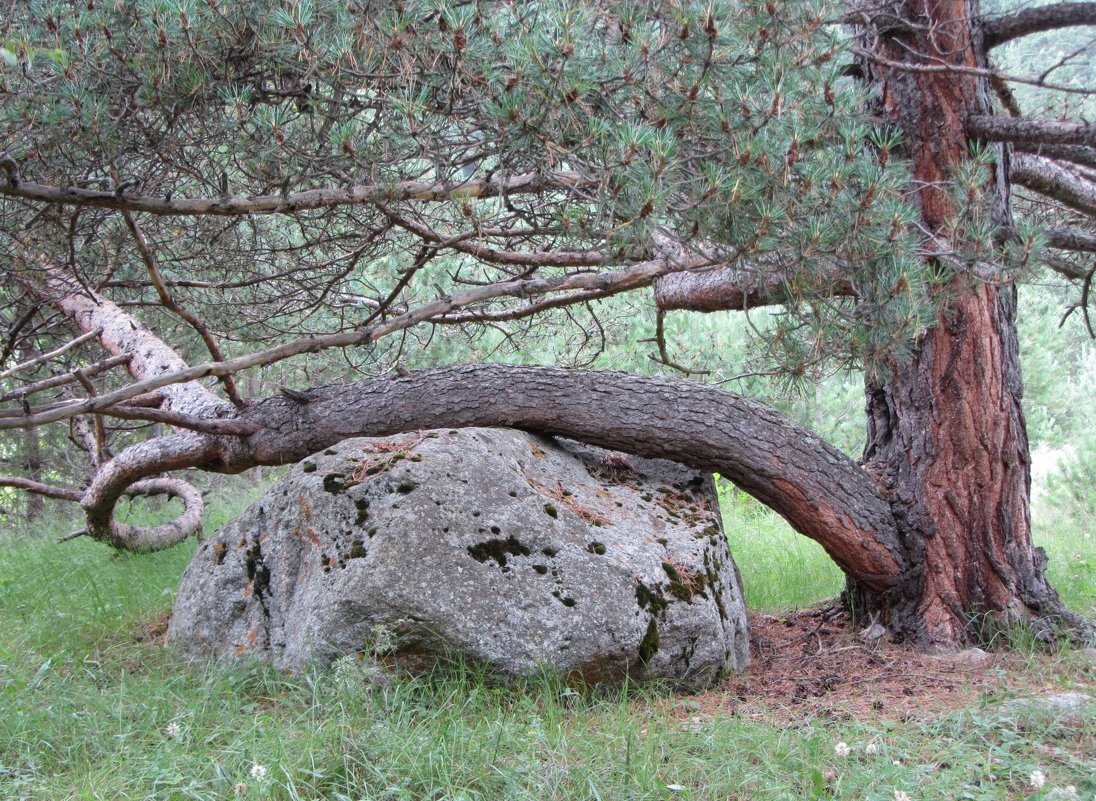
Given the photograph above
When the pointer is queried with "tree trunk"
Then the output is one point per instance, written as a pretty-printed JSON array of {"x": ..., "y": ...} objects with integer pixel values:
[
  {"x": 946, "y": 434},
  {"x": 946, "y": 440}
]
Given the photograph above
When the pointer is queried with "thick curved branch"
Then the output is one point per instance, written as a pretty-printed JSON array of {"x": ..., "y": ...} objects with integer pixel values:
[
  {"x": 529, "y": 183},
  {"x": 155, "y": 538},
  {"x": 1026, "y": 21},
  {"x": 122, "y": 535},
  {"x": 820, "y": 491},
  {"x": 132, "y": 472},
  {"x": 1055, "y": 181},
  {"x": 1029, "y": 131}
]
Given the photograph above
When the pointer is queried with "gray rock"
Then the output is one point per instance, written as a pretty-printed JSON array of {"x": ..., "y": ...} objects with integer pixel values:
[
  {"x": 1058, "y": 708},
  {"x": 508, "y": 549},
  {"x": 972, "y": 657},
  {"x": 872, "y": 632}
]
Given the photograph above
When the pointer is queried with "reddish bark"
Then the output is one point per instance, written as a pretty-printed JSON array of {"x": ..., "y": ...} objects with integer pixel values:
[{"x": 946, "y": 432}]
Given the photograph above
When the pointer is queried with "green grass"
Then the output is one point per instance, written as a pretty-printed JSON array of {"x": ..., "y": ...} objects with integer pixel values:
[
  {"x": 86, "y": 701},
  {"x": 780, "y": 569},
  {"x": 1069, "y": 537},
  {"x": 783, "y": 570}
]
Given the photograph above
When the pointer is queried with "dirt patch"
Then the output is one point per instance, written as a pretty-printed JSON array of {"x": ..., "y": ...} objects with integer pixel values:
[
  {"x": 154, "y": 630},
  {"x": 812, "y": 664}
]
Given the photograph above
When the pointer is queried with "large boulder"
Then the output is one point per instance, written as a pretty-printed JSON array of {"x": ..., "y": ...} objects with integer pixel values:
[{"x": 509, "y": 549}]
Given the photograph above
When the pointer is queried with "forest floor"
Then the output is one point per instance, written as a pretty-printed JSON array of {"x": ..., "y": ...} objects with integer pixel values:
[{"x": 812, "y": 664}]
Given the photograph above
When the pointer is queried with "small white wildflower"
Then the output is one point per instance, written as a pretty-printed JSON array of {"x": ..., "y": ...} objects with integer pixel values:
[
  {"x": 842, "y": 749},
  {"x": 896, "y": 762},
  {"x": 871, "y": 749},
  {"x": 258, "y": 772},
  {"x": 901, "y": 795},
  {"x": 173, "y": 730},
  {"x": 1037, "y": 779}
]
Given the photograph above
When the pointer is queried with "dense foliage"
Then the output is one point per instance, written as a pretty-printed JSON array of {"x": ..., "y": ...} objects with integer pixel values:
[{"x": 724, "y": 130}]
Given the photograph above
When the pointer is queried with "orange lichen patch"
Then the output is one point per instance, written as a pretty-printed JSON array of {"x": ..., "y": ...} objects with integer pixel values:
[
  {"x": 306, "y": 507},
  {"x": 240, "y": 649},
  {"x": 251, "y": 636},
  {"x": 249, "y": 589},
  {"x": 313, "y": 537},
  {"x": 537, "y": 451}
]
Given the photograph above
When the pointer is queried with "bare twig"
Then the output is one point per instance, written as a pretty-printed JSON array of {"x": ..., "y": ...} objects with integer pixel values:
[
  {"x": 217, "y": 427},
  {"x": 663, "y": 354},
  {"x": 170, "y": 303},
  {"x": 295, "y": 202},
  {"x": 38, "y": 488},
  {"x": 65, "y": 378},
  {"x": 45, "y": 357}
]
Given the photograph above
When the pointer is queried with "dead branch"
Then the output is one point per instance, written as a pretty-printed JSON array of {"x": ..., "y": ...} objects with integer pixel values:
[
  {"x": 38, "y": 488},
  {"x": 216, "y": 427},
  {"x": 90, "y": 371},
  {"x": 663, "y": 354},
  {"x": 45, "y": 357},
  {"x": 170, "y": 303},
  {"x": 530, "y": 183}
]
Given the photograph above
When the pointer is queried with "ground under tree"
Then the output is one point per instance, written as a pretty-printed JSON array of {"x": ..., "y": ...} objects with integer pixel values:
[{"x": 348, "y": 174}]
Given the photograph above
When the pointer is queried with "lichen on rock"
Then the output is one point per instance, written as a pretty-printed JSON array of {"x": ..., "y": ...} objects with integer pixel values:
[{"x": 454, "y": 551}]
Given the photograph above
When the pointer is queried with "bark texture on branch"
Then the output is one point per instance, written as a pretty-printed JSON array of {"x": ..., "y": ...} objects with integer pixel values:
[
  {"x": 1055, "y": 181},
  {"x": 819, "y": 490},
  {"x": 123, "y": 335},
  {"x": 1075, "y": 154},
  {"x": 1071, "y": 239},
  {"x": 1030, "y": 132},
  {"x": 1026, "y": 21},
  {"x": 724, "y": 289},
  {"x": 146, "y": 357}
]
